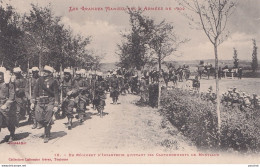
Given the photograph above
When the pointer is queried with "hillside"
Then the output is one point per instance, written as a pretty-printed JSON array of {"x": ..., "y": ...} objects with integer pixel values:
[{"x": 192, "y": 63}]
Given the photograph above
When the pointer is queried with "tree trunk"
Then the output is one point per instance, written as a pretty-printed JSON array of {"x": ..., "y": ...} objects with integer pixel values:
[
  {"x": 159, "y": 82},
  {"x": 160, "y": 63},
  {"x": 217, "y": 86}
]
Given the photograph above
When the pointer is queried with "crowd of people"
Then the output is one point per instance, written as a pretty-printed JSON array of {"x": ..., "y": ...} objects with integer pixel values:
[
  {"x": 41, "y": 96},
  {"x": 231, "y": 98}
]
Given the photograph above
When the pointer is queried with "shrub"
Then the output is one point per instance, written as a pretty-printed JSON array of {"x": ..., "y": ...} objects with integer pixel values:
[{"x": 197, "y": 119}]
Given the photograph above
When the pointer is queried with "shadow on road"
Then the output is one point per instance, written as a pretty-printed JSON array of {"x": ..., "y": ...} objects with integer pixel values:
[
  {"x": 18, "y": 136},
  {"x": 59, "y": 134}
]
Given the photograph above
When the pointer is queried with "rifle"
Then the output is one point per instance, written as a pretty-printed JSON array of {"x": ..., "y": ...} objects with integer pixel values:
[
  {"x": 61, "y": 89},
  {"x": 29, "y": 80}
]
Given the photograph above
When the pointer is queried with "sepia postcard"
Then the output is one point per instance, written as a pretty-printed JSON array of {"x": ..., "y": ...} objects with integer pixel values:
[{"x": 129, "y": 82}]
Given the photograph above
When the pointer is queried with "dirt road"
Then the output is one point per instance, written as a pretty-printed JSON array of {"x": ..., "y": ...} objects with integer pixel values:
[{"x": 126, "y": 128}]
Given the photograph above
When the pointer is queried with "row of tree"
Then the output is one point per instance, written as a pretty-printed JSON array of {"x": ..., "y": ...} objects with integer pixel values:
[
  {"x": 254, "y": 63},
  {"x": 147, "y": 38},
  {"x": 39, "y": 38}
]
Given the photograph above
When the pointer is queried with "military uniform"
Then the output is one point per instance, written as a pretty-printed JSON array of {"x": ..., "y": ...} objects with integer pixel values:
[
  {"x": 82, "y": 87},
  {"x": 68, "y": 94},
  {"x": 8, "y": 116},
  {"x": 46, "y": 94},
  {"x": 235, "y": 97},
  {"x": 31, "y": 85},
  {"x": 196, "y": 84},
  {"x": 100, "y": 96},
  {"x": 21, "y": 93},
  {"x": 153, "y": 94},
  {"x": 114, "y": 91},
  {"x": 143, "y": 90}
]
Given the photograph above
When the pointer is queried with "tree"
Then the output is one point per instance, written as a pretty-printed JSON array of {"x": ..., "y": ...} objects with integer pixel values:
[
  {"x": 254, "y": 57},
  {"x": 46, "y": 38},
  {"x": 164, "y": 41},
  {"x": 11, "y": 45},
  {"x": 39, "y": 37},
  {"x": 211, "y": 16},
  {"x": 133, "y": 51},
  {"x": 147, "y": 43},
  {"x": 235, "y": 58}
]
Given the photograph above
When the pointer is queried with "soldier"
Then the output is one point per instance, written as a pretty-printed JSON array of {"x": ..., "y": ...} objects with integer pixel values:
[
  {"x": 166, "y": 77},
  {"x": 33, "y": 80},
  {"x": 247, "y": 101},
  {"x": 229, "y": 97},
  {"x": 235, "y": 96},
  {"x": 93, "y": 88},
  {"x": 21, "y": 93},
  {"x": 240, "y": 73},
  {"x": 68, "y": 103},
  {"x": 196, "y": 84},
  {"x": 8, "y": 116},
  {"x": 210, "y": 95},
  {"x": 121, "y": 84},
  {"x": 84, "y": 95},
  {"x": 153, "y": 94},
  {"x": 100, "y": 95},
  {"x": 143, "y": 90},
  {"x": 114, "y": 91},
  {"x": 254, "y": 100},
  {"x": 46, "y": 92},
  {"x": 146, "y": 76}
]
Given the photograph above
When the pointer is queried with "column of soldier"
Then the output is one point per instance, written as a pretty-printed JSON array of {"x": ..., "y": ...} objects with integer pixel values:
[
  {"x": 232, "y": 98},
  {"x": 43, "y": 95}
]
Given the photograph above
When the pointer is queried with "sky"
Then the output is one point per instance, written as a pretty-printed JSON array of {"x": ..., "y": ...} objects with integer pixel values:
[{"x": 104, "y": 26}]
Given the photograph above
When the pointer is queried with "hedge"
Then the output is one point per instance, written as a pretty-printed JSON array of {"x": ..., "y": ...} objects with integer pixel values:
[{"x": 197, "y": 119}]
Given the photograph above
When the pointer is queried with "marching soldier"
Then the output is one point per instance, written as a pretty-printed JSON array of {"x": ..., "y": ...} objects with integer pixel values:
[
  {"x": 114, "y": 91},
  {"x": 46, "y": 94},
  {"x": 33, "y": 80},
  {"x": 83, "y": 90},
  {"x": 68, "y": 103},
  {"x": 93, "y": 88},
  {"x": 153, "y": 94},
  {"x": 100, "y": 95},
  {"x": 21, "y": 93},
  {"x": 143, "y": 90},
  {"x": 8, "y": 115}
]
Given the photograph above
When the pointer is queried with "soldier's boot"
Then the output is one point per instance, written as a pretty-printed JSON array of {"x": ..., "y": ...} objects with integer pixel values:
[
  {"x": 81, "y": 118},
  {"x": 69, "y": 123},
  {"x": 39, "y": 126},
  {"x": 34, "y": 124},
  {"x": 30, "y": 120},
  {"x": 45, "y": 135},
  {"x": 98, "y": 112},
  {"x": 47, "y": 131},
  {"x": 114, "y": 100},
  {"x": 12, "y": 136}
]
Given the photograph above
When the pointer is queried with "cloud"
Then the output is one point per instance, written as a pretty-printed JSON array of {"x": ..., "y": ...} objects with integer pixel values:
[
  {"x": 104, "y": 35},
  {"x": 204, "y": 50},
  {"x": 104, "y": 27}
]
